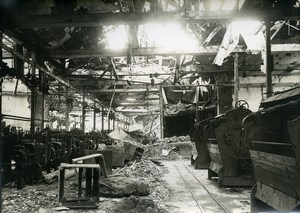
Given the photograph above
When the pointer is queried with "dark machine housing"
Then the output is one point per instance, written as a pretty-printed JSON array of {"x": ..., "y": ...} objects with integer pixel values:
[
  {"x": 229, "y": 152},
  {"x": 274, "y": 132}
]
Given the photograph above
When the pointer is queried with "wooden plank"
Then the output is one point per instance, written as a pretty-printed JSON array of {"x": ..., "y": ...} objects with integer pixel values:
[
  {"x": 276, "y": 171},
  {"x": 275, "y": 198},
  {"x": 68, "y": 166},
  {"x": 278, "y": 159},
  {"x": 293, "y": 128},
  {"x": 277, "y": 181},
  {"x": 284, "y": 170},
  {"x": 86, "y": 157}
]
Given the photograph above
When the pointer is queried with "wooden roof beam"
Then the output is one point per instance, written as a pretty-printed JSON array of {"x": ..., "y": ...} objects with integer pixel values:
[
  {"x": 122, "y": 91},
  {"x": 209, "y": 50},
  {"x": 100, "y": 19}
]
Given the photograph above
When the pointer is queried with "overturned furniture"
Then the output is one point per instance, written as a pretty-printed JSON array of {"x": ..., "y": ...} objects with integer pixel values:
[
  {"x": 274, "y": 132},
  {"x": 92, "y": 174},
  {"x": 229, "y": 152}
]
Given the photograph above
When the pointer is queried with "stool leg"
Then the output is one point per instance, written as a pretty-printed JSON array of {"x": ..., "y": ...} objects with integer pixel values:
[
  {"x": 88, "y": 186},
  {"x": 61, "y": 184},
  {"x": 80, "y": 181},
  {"x": 101, "y": 161},
  {"x": 96, "y": 191}
]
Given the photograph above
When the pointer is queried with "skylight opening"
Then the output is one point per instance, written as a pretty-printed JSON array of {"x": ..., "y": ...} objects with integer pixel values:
[
  {"x": 170, "y": 36},
  {"x": 116, "y": 38},
  {"x": 224, "y": 5}
]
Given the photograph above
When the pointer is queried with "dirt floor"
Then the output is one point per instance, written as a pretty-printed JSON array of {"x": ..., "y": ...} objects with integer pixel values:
[{"x": 175, "y": 186}]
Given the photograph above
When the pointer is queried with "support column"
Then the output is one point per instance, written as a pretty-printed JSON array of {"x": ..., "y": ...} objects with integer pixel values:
[
  {"x": 67, "y": 118},
  {"x": 42, "y": 79},
  {"x": 94, "y": 117},
  {"x": 236, "y": 77},
  {"x": 268, "y": 60},
  {"x": 114, "y": 124},
  {"x": 102, "y": 121},
  {"x": 33, "y": 99},
  {"x": 108, "y": 123},
  {"x": 177, "y": 67},
  {"x": 161, "y": 109},
  {"x": 83, "y": 113},
  {"x": 196, "y": 100},
  {"x": 1, "y": 122},
  {"x": 0, "y": 89}
]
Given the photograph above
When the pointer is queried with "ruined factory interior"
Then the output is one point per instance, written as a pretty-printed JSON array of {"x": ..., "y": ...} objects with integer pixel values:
[{"x": 149, "y": 106}]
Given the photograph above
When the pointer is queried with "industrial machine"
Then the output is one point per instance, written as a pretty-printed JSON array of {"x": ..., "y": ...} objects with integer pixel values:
[
  {"x": 25, "y": 156},
  {"x": 274, "y": 132},
  {"x": 229, "y": 152}
]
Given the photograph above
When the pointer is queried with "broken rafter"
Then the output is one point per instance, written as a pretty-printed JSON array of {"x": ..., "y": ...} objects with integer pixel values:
[
  {"x": 27, "y": 60},
  {"x": 113, "y": 69},
  {"x": 101, "y": 76}
]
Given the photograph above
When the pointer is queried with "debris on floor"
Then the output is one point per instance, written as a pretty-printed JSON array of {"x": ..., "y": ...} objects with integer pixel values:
[
  {"x": 149, "y": 173},
  {"x": 123, "y": 186},
  {"x": 136, "y": 205},
  {"x": 29, "y": 199}
]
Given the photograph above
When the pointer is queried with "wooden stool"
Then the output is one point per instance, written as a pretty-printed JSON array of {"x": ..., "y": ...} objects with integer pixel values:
[{"x": 91, "y": 199}]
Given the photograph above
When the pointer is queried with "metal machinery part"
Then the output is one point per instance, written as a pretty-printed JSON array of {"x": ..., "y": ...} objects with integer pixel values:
[
  {"x": 26, "y": 156},
  {"x": 274, "y": 132},
  {"x": 229, "y": 152},
  {"x": 197, "y": 136}
]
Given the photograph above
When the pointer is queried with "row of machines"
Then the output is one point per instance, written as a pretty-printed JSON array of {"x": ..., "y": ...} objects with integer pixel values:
[
  {"x": 26, "y": 157},
  {"x": 256, "y": 149}
]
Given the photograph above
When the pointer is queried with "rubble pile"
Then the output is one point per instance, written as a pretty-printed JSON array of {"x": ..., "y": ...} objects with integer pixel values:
[
  {"x": 149, "y": 173},
  {"x": 178, "y": 108},
  {"x": 165, "y": 149},
  {"x": 160, "y": 152},
  {"x": 175, "y": 139},
  {"x": 144, "y": 168}
]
